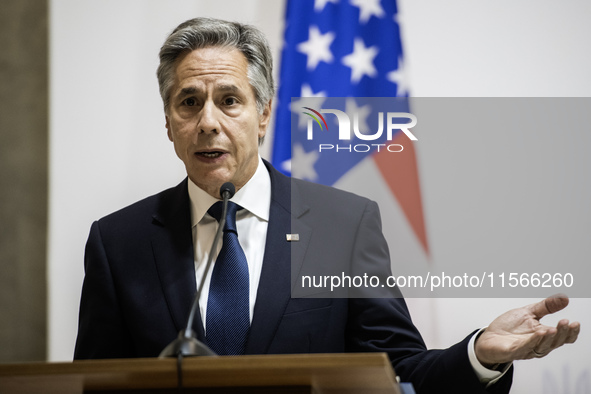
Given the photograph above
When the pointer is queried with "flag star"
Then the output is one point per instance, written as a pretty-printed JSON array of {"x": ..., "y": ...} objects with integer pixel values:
[
  {"x": 362, "y": 113},
  {"x": 367, "y": 8},
  {"x": 302, "y": 163},
  {"x": 286, "y": 165},
  {"x": 297, "y": 106},
  {"x": 361, "y": 60},
  {"x": 320, "y": 4},
  {"x": 317, "y": 47},
  {"x": 398, "y": 76}
]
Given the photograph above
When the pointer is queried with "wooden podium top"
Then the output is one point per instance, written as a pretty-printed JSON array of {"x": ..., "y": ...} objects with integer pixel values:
[{"x": 316, "y": 373}]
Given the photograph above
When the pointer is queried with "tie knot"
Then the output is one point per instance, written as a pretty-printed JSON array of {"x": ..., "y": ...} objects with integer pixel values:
[{"x": 216, "y": 212}]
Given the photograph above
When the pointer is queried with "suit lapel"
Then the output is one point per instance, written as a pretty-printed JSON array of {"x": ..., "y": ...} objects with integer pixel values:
[
  {"x": 275, "y": 285},
  {"x": 172, "y": 246}
]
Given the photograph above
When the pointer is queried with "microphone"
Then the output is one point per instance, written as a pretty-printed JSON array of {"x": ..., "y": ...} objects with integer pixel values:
[
  {"x": 227, "y": 191},
  {"x": 186, "y": 344}
]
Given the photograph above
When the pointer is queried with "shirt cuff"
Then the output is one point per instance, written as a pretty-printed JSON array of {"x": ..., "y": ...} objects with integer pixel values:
[{"x": 485, "y": 375}]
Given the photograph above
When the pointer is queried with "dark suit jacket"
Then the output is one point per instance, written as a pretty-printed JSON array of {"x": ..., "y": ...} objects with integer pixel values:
[{"x": 140, "y": 281}]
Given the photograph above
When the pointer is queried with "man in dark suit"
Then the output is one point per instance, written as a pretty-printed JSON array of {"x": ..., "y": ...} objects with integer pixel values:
[{"x": 143, "y": 262}]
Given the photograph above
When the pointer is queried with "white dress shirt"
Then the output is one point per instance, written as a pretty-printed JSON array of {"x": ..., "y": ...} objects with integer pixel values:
[{"x": 251, "y": 224}]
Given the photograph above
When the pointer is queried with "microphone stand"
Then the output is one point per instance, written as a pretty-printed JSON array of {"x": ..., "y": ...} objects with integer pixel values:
[{"x": 187, "y": 344}]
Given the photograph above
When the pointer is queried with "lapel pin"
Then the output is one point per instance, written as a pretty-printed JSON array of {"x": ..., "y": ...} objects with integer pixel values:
[{"x": 292, "y": 237}]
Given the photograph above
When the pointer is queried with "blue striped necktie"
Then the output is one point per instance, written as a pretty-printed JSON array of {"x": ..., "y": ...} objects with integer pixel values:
[{"x": 228, "y": 309}]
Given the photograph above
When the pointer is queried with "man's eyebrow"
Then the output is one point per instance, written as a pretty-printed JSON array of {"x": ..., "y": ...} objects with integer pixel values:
[
  {"x": 228, "y": 88},
  {"x": 188, "y": 91},
  {"x": 191, "y": 90}
]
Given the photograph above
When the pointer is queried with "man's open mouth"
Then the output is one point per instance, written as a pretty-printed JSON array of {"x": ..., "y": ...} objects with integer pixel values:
[{"x": 210, "y": 155}]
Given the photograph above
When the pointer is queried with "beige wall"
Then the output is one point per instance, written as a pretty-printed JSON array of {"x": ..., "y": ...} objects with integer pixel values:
[{"x": 23, "y": 179}]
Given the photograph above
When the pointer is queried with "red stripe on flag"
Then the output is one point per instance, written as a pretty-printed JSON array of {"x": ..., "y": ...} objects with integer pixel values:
[{"x": 400, "y": 172}]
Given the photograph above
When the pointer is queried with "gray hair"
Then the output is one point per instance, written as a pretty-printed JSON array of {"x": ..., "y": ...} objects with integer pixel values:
[{"x": 208, "y": 32}]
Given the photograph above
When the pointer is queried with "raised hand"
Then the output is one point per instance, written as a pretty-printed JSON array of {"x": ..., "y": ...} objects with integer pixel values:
[{"x": 519, "y": 335}]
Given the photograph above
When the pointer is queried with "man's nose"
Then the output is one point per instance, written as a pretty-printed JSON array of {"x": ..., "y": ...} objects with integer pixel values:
[{"x": 208, "y": 122}]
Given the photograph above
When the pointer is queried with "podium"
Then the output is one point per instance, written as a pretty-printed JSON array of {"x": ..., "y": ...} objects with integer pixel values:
[{"x": 291, "y": 374}]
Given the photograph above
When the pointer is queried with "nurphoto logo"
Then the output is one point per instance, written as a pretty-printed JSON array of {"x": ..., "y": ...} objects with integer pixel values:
[{"x": 346, "y": 132}]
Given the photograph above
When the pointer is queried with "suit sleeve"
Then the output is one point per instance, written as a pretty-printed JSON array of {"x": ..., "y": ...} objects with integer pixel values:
[
  {"x": 101, "y": 329},
  {"x": 385, "y": 325}
]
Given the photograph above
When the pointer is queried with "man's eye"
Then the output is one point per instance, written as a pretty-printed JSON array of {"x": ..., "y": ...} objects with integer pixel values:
[
  {"x": 230, "y": 101},
  {"x": 190, "y": 102}
]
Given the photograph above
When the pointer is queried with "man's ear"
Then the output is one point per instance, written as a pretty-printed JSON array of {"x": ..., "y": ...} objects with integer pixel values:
[
  {"x": 168, "y": 130},
  {"x": 264, "y": 119}
]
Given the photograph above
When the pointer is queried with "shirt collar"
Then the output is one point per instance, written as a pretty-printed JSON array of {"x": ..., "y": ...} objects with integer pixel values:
[{"x": 255, "y": 196}]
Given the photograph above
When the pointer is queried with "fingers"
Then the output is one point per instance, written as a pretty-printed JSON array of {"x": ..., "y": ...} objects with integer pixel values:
[
  {"x": 531, "y": 347},
  {"x": 550, "y": 305},
  {"x": 550, "y": 338},
  {"x": 575, "y": 328}
]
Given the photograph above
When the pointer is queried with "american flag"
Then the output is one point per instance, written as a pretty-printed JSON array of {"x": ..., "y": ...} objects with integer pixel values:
[{"x": 346, "y": 48}]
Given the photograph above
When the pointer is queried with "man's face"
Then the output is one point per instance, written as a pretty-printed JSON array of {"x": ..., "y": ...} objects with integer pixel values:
[{"x": 212, "y": 118}]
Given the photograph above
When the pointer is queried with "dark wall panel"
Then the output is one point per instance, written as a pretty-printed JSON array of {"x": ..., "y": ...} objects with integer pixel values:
[{"x": 23, "y": 179}]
